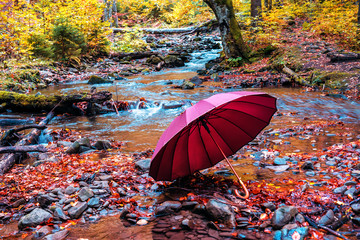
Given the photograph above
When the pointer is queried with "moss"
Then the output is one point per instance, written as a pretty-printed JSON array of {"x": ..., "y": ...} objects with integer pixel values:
[
  {"x": 98, "y": 80},
  {"x": 290, "y": 57},
  {"x": 333, "y": 80}
]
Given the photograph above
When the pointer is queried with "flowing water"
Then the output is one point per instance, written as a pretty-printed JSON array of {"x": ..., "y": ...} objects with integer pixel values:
[{"x": 141, "y": 128}]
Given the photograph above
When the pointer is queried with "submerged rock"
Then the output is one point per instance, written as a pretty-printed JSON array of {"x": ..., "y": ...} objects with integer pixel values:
[
  {"x": 98, "y": 80},
  {"x": 221, "y": 212},
  {"x": 187, "y": 85},
  {"x": 34, "y": 218}
]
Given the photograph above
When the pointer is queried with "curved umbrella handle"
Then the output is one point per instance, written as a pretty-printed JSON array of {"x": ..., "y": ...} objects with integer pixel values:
[{"x": 237, "y": 193}]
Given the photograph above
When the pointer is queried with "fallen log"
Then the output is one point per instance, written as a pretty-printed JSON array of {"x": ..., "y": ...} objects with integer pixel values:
[
  {"x": 6, "y": 136},
  {"x": 294, "y": 76},
  {"x": 17, "y": 102},
  {"x": 134, "y": 55},
  {"x": 9, "y": 160},
  {"x": 156, "y": 30},
  {"x": 23, "y": 149},
  {"x": 343, "y": 57}
]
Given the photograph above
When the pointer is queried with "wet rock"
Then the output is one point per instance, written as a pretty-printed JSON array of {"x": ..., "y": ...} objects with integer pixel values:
[
  {"x": 189, "y": 204},
  {"x": 70, "y": 190},
  {"x": 221, "y": 212},
  {"x": 45, "y": 200},
  {"x": 76, "y": 211},
  {"x": 268, "y": 205},
  {"x": 308, "y": 165},
  {"x": 187, "y": 85},
  {"x": 297, "y": 233},
  {"x": 300, "y": 218},
  {"x": 74, "y": 148},
  {"x": 280, "y": 168},
  {"x": 356, "y": 208},
  {"x": 283, "y": 216},
  {"x": 18, "y": 203},
  {"x": 141, "y": 222},
  {"x": 58, "y": 235},
  {"x": 350, "y": 183},
  {"x": 94, "y": 202},
  {"x": 154, "y": 60},
  {"x": 356, "y": 220},
  {"x": 187, "y": 224},
  {"x": 98, "y": 80},
  {"x": 352, "y": 192},
  {"x": 327, "y": 219},
  {"x": 83, "y": 149},
  {"x": 279, "y": 161},
  {"x": 340, "y": 190},
  {"x": 85, "y": 193},
  {"x": 173, "y": 61},
  {"x": 168, "y": 207},
  {"x": 310, "y": 173},
  {"x": 106, "y": 178},
  {"x": 40, "y": 233},
  {"x": 199, "y": 209},
  {"x": 196, "y": 80},
  {"x": 60, "y": 215},
  {"x": 102, "y": 145},
  {"x": 143, "y": 165},
  {"x": 34, "y": 218}
]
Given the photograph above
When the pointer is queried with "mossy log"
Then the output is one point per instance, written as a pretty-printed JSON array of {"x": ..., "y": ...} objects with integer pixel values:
[
  {"x": 343, "y": 57},
  {"x": 293, "y": 75},
  {"x": 9, "y": 160},
  {"x": 36, "y": 103}
]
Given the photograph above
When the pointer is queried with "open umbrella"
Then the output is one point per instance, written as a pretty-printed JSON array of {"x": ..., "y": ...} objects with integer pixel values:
[{"x": 209, "y": 131}]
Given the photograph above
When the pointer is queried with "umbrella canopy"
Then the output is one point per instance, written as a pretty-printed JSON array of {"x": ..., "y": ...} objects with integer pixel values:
[{"x": 204, "y": 133}]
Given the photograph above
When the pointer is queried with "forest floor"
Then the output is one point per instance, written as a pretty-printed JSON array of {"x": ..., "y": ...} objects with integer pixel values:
[{"x": 295, "y": 195}]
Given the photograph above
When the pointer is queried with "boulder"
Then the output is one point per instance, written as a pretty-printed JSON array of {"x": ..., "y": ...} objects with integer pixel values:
[
  {"x": 70, "y": 190},
  {"x": 154, "y": 60},
  {"x": 221, "y": 212},
  {"x": 34, "y": 218},
  {"x": 196, "y": 80},
  {"x": 279, "y": 161},
  {"x": 59, "y": 214},
  {"x": 58, "y": 235},
  {"x": 283, "y": 216},
  {"x": 173, "y": 61},
  {"x": 98, "y": 80},
  {"x": 102, "y": 145},
  {"x": 74, "y": 148},
  {"x": 84, "y": 142}
]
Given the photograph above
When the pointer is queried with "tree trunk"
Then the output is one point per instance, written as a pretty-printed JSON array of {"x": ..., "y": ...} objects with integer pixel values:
[
  {"x": 109, "y": 11},
  {"x": 256, "y": 8},
  {"x": 23, "y": 149},
  {"x": 268, "y": 4},
  {"x": 231, "y": 38},
  {"x": 358, "y": 14}
]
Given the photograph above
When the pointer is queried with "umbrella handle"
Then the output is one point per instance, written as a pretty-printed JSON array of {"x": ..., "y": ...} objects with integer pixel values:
[{"x": 237, "y": 193}]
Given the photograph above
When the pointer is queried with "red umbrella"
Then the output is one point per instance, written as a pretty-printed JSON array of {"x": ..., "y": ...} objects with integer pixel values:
[{"x": 209, "y": 131}]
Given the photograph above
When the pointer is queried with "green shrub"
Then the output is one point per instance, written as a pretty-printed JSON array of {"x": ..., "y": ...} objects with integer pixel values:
[
  {"x": 39, "y": 46},
  {"x": 68, "y": 42}
]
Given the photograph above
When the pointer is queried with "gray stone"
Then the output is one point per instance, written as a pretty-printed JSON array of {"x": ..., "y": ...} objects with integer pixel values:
[
  {"x": 310, "y": 173},
  {"x": 98, "y": 80},
  {"x": 196, "y": 80},
  {"x": 280, "y": 168},
  {"x": 351, "y": 192},
  {"x": 280, "y": 161},
  {"x": 34, "y": 218},
  {"x": 269, "y": 205},
  {"x": 330, "y": 163},
  {"x": 187, "y": 224},
  {"x": 121, "y": 192},
  {"x": 106, "y": 177},
  {"x": 143, "y": 165},
  {"x": 168, "y": 207},
  {"x": 102, "y": 145},
  {"x": 85, "y": 193},
  {"x": 60, "y": 215},
  {"x": 83, "y": 149},
  {"x": 58, "y": 235},
  {"x": 350, "y": 183},
  {"x": 94, "y": 202},
  {"x": 77, "y": 210},
  {"x": 299, "y": 218},
  {"x": 84, "y": 142},
  {"x": 356, "y": 208},
  {"x": 74, "y": 148},
  {"x": 70, "y": 190},
  {"x": 327, "y": 219},
  {"x": 283, "y": 216},
  {"x": 221, "y": 212},
  {"x": 340, "y": 190}
]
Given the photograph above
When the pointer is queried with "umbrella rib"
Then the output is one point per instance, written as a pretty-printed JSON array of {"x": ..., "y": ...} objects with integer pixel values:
[
  {"x": 221, "y": 136},
  {"x": 207, "y": 154},
  {"x": 187, "y": 150},
  {"x": 172, "y": 162},
  {"x": 227, "y": 109}
]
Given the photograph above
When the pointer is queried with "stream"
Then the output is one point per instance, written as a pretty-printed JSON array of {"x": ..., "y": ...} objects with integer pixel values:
[{"x": 140, "y": 129}]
